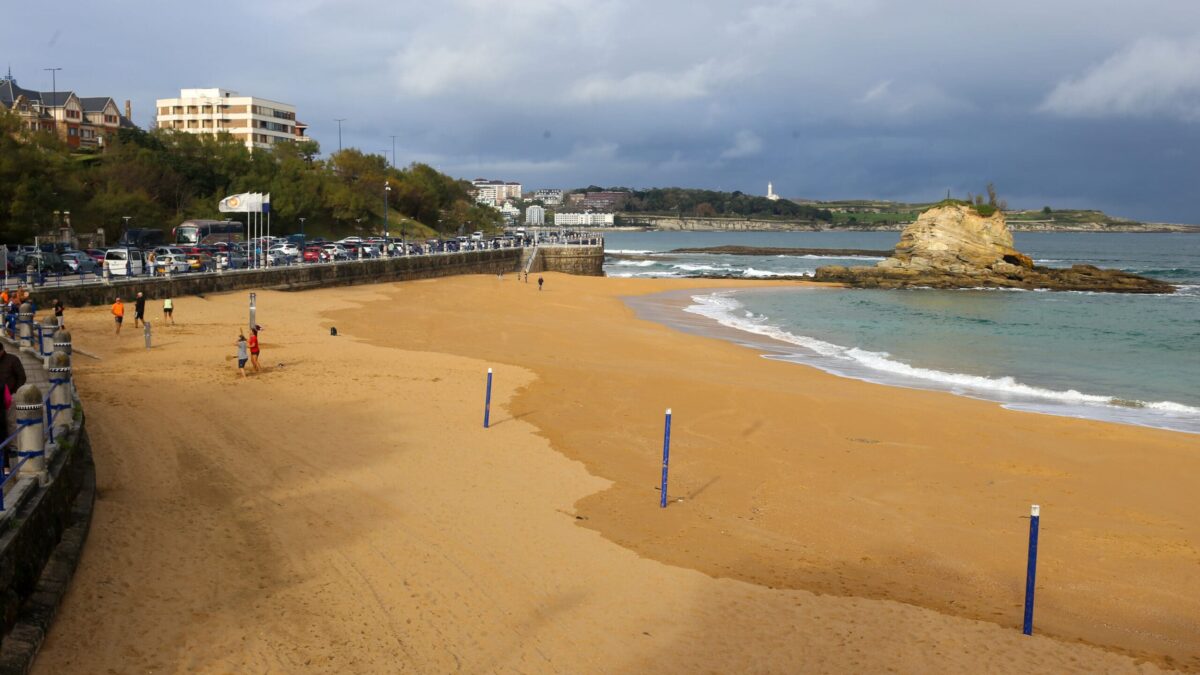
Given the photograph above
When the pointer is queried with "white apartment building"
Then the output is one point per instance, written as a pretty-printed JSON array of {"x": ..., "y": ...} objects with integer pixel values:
[
  {"x": 549, "y": 197},
  {"x": 586, "y": 219},
  {"x": 495, "y": 192},
  {"x": 535, "y": 215},
  {"x": 256, "y": 122}
]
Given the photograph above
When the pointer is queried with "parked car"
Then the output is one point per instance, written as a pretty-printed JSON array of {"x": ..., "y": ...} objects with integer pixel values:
[
  {"x": 312, "y": 254},
  {"x": 96, "y": 254},
  {"x": 124, "y": 261},
  {"x": 43, "y": 262},
  {"x": 199, "y": 261},
  {"x": 168, "y": 250},
  {"x": 175, "y": 262},
  {"x": 80, "y": 262},
  {"x": 337, "y": 251},
  {"x": 232, "y": 259},
  {"x": 287, "y": 248}
]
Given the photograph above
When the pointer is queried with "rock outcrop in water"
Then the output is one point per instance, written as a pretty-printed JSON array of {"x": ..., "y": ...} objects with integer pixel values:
[{"x": 953, "y": 246}]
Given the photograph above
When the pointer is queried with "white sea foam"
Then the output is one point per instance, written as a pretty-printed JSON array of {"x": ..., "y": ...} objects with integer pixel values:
[
  {"x": 636, "y": 263},
  {"x": 762, "y": 274},
  {"x": 855, "y": 362},
  {"x": 687, "y": 267},
  {"x": 629, "y": 251}
]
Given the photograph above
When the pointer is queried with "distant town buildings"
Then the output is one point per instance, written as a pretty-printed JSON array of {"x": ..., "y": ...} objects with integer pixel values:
[
  {"x": 81, "y": 122},
  {"x": 549, "y": 197},
  {"x": 599, "y": 201},
  {"x": 256, "y": 122},
  {"x": 495, "y": 192},
  {"x": 510, "y": 212},
  {"x": 585, "y": 219},
  {"x": 771, "y": 193},
  {"x": 535, "y": 215}
]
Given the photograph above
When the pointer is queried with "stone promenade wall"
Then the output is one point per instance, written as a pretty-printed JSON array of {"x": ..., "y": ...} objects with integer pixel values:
[{"x": 583, "y": 260}]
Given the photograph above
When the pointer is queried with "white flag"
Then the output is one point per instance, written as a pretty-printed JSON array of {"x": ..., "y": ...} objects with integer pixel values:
[{"x": 239, "y": 203}]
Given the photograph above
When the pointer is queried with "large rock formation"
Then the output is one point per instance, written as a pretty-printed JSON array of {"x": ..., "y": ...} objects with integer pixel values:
[{"x": 952, "y": 246}]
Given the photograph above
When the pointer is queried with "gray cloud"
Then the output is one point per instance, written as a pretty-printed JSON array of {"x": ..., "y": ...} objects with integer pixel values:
[{"x": 1056, "y": 102}]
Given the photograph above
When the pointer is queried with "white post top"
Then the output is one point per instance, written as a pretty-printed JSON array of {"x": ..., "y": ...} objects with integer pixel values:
[
  {"x": 668, "y": 411},
  {"x": 1035, "y": 510},
  {"x": 489, "y": 371}
]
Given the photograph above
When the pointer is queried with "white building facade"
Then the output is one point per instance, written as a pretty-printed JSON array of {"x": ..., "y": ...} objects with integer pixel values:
[
  {"x": 495, "y": 192},
  {"x": 549, "y": 197},
  {"x": 535, "y": 215},
  {"x": 586, "y": 219},
  {"x": 258, "y": 123}
]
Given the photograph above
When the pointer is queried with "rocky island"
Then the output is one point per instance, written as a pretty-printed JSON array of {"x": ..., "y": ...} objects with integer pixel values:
[{"x": 957, "y": 244}]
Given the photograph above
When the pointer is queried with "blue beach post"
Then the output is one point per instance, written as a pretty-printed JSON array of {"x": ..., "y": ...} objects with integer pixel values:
[
  {"x": 487, "y": 400},
  {"x": 662, "y": 503},
  {"x": 1031, "y": 570}
]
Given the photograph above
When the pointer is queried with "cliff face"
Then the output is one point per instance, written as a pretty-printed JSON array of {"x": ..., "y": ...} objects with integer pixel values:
[
  {"x": 952, "y": 246},
  {"x": 948, "y": 236}
]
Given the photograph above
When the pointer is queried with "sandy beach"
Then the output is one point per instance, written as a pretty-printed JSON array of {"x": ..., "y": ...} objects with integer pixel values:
[{"x": 345, "y": 511}]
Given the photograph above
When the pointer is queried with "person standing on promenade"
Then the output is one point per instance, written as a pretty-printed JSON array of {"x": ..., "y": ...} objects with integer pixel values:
[
  {"x": 254, "y": 349},
  {"x": 12, "y": 374},
  {"x": 169, "y": 311},
  {"x": 58, "y": 312},
  {"x": 540, "y": 282},
  {"x": 243, "y": 354},
  {"x": 118, "y": 312},
  {"x": 139, "y": 310}
]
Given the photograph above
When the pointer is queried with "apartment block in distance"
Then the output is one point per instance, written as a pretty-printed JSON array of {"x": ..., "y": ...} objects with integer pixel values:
[
  {"x": 256, "y": 122},
  {"x": 495, "y": 192}
]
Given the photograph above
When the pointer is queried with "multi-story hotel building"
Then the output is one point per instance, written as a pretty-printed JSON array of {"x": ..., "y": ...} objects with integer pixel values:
[
  {"x": 585, "y": 219},
  {"x": 535, "y": 215},
  {"x": 81, "y": 122},
  {"x": 495, "y": 192},
  {"x": 256, "y": 122}
]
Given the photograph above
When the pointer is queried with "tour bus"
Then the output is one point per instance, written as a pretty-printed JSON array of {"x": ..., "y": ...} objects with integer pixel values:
[
  {"x": 196, "y": 232},
  {"x": 123, "y": 261}
]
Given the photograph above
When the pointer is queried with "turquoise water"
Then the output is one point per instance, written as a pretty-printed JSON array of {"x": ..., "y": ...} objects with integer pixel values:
[{"x": 1132, "y": 359}]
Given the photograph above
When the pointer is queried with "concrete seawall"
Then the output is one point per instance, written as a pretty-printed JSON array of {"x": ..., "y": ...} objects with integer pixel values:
[{"x": 581, "y": 260}]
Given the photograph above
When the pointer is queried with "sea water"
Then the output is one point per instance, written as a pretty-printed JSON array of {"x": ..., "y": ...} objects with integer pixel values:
[{"x": 1119, "y": 357}]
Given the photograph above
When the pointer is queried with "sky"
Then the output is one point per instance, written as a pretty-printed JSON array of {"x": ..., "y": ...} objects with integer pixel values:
[{"x": 1067, "y": 103}]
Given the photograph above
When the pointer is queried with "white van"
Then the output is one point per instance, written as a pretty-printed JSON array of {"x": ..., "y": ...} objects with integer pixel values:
[
  {"x": 123, "y": 261},
  {"x": 477, "y": 235}
]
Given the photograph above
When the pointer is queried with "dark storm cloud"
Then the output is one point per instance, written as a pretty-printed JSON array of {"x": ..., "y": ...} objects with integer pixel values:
[{"x": 1069, "y": 103}]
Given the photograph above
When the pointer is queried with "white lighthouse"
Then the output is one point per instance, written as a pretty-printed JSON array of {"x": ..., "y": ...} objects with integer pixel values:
[{"x": 771, "y": 193}]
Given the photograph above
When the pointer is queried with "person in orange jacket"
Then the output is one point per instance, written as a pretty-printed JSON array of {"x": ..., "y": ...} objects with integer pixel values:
[{"x": 118, "y": 311}]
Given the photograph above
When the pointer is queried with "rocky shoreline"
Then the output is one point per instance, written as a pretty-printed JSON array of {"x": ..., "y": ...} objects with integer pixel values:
[{"x": 953, "y": 245}]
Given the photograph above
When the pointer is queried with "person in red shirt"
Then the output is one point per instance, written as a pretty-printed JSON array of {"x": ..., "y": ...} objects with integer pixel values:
[{"x": 254, "y": 346}]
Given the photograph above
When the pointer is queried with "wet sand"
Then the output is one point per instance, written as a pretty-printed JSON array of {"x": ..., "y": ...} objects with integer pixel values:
[{"x": 345, "y": 511}]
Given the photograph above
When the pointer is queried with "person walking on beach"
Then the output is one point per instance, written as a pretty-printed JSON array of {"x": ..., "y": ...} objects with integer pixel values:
[
  {"x": 139, "y": 310},
  {"x": 254, "y": 349},
  {"x": 118, "y": 312},
  {"x": 540, "y": 282},
  {"x": 169, "y": 311},
  {"x": 243, "y": 352}
]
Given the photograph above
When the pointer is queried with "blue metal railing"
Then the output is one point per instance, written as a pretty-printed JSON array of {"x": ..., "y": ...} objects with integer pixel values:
[{"x": 50, "y": 412}]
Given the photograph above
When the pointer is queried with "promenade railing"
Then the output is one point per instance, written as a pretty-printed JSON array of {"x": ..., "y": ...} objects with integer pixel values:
[
  {"x": 42, "y": 417},
  {"x": 149, "y": 271}
]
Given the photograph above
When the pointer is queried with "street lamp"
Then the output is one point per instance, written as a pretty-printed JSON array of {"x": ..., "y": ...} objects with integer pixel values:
[
  {"x": 302, "y": 227},
  {"x": 387, "y": 193},
  {"x": 126, "y": 219},
  {"x": 339, "y": 120}
]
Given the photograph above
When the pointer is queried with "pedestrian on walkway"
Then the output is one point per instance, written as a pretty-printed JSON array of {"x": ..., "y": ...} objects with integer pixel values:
[
  {"x": 254, "y": 349},
  {"x": 58, "y": 313},
  {"x": 12, "y": 375},
  {"x": 243, "y": 353},
  {"x": 118, "y": 312},
  {"x": 139, "y": 310},
  {"x": 169, "y": 311}
]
